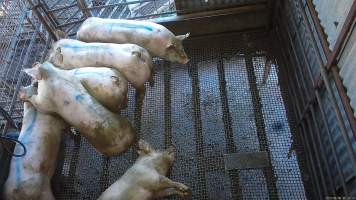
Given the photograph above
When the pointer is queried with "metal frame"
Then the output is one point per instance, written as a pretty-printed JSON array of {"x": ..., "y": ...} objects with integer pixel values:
[{"x": 305, "y": 106}]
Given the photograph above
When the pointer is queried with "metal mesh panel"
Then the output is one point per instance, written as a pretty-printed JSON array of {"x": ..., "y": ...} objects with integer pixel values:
[{"x": 206, "y": 109}]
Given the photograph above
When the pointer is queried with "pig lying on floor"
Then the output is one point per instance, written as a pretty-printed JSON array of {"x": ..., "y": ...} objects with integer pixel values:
[
  {"x": 157, "y": 39},
  {"x": 106, "y": 85},
  {"x": 146, "y": 179},
  {"x": 30, "y": 175},
  {"x": 60, "y": 92},
  {"x": 132, "y": 61}
]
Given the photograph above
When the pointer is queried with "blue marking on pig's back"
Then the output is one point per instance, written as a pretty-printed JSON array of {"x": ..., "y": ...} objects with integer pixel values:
[
  {"x": 27, "y": 133},
  {"x": 79, "y": 73},
  {"x": 79, "y": 97},
  {"x": 80, "y": 47},
  {"x": 129, "y": 26}
]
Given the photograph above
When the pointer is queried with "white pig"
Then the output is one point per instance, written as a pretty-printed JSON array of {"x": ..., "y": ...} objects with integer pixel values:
[
  {"x": 157, "y": 39},
  {"x": 132, "y": 61},
  {"x": 146, "y": 179},
  {"x": 106, "y": 85},
  {"x": 62, "y": 93},
  {"x": 30, "y": 175}
]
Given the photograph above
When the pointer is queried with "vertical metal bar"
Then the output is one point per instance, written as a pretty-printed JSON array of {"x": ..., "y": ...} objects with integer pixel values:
[
  {"x": 43, "y": 20},
  {"x": 167, "y": 105},
  {"x": 198, "y": 127},
  {"x": 339, "y": 85},
  {"x": 74, "y": 162},
  {"x": 104, "y": 178},
  {"x": 307, "y": 64},
  {"x": 83, "y": 7},
  {"x": 349, "y": 21},
  {"x": 332, "y": 145},
  {"x": 137, "y": 119},
  {"x": 317, "y": 153},
  {"x": 50, "y": 15},
  {"x": 20, "y": 78},
  {"x": 344, "y": 98},
  {"x": 229, "y": 135},
  {"x": 310, "y": 160},
  {"x": 300, "y": 91},
  {"x": 317, "y": 25},
  {"x": 340, "y": 174},
  {"x": 260, "y": 126},
  {"x": 296, "y": 112},
  {"x": 340, "y": 120},
  {"x": 299, "y": 66},
  {"x": 296, "y": 69}
]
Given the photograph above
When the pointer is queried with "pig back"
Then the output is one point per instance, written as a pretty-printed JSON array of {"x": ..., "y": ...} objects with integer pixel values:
[
  {"x": 132, "y": 61},
  {"x": 106, "y": 85},
  {"x": 151, "y": 36},
  {"x": 106, "y": 131},
  {"x": 29, "y": 175}
]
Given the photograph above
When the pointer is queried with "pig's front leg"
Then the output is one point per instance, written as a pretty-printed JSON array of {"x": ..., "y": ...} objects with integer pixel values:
[
  {"x": 140, "y": 94},
  {"x": 170, "y": 187},
  {"x": 169, "y": 192}
]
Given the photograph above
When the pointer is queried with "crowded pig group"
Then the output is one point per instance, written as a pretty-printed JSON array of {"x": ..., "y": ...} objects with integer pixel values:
[{"x": 84, "y": 84}]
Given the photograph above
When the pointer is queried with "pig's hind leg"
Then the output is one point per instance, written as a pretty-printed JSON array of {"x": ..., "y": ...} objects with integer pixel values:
[{"x": 171, "y": 187}]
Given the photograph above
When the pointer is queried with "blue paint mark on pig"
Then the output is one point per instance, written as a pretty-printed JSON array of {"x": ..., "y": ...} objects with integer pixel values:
[
  {"x": 129, "y": 26},
  {"x": 79, "y": 97},
  {"x": 26, "y": 134}
]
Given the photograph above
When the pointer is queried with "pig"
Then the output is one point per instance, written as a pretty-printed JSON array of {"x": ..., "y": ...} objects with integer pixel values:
[
  {"x": 30, "y": 175},
  {"x": 157, "y": 39},
  {"x": 108, "y": 86},
  {"x": 132, "y": 61},
  {"x": 146, "y": 179},
  {"x": 59, "y": 92}
]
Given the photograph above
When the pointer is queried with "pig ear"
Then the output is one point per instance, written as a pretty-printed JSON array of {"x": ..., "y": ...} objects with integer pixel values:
[
  {"x": 60, "y": 34},
  {"x": 170, "y": 45},
  {"x": 115, "y": 79},
  {"x": 182, "y": 37},
  {"x": 136, "y": 53},
  {"x": 59, "y": 55},
  {"x": 34, "y": 72},
  {"x": 171, "y": 151},
  {"x": 144, "y": 147}
]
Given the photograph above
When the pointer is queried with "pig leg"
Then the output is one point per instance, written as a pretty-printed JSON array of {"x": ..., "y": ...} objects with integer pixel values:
[
  {"x": 151, "y": 81},
  {"x": 140, "y": 94},
  {"x": 170, "y": 192},
  {"x": 166, "y": 184}
]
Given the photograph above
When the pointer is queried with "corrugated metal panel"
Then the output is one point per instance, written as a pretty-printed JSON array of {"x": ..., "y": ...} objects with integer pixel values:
[
  {"x": 189, "y": 6},
  {"x": 332, "y": 15},
  {"x": 347, "y": 64}
]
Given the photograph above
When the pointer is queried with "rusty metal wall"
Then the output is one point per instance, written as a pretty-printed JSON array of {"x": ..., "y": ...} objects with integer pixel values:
[
  {"x": 191, "y": 6},
  {"x": 322, "y": 117},
  {"x": 347, "y": 64},
  {"x": 332, "y": 17}
]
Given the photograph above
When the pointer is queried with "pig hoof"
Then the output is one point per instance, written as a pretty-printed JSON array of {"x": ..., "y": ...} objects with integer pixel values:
[{"x": 184, "y": 190}]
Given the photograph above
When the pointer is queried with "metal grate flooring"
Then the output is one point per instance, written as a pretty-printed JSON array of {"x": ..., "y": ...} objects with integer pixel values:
[{"x": 215, "y": 105}]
